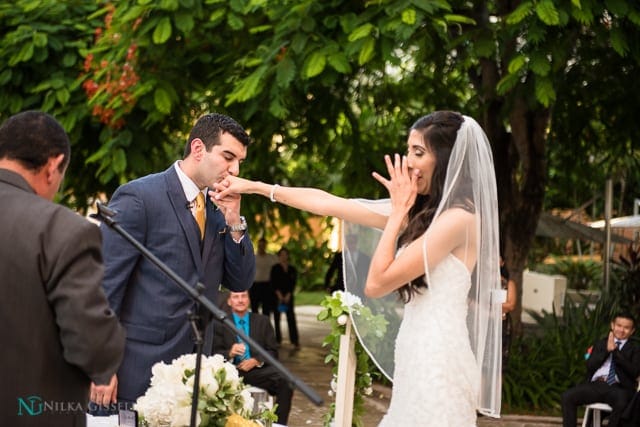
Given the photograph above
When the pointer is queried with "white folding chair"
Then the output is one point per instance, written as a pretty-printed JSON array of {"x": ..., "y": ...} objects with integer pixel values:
[{"x": 596, "y": 409}]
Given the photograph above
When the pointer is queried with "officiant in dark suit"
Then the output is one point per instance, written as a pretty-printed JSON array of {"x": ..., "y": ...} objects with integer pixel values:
[
  {"x": 202, "y": 242},
  {"x": 612, "y": 369},
  {"x": 252, "y": 369},
  {"x": 58, "y": 333}
]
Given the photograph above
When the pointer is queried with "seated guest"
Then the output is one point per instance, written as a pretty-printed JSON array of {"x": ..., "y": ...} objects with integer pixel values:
[
  {"x": 612, "y": 369},
  {"x": 254, "y": 371}
]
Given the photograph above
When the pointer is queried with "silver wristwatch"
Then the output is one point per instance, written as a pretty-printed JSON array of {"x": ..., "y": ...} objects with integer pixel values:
[{"x": 238, "y": 227}]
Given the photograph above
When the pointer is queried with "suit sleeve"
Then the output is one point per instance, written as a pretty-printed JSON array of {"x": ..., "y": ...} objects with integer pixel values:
[
  {"x": 266, "y": 337},
  {"x": 598, "y": 355},
  {"x": 239, "y": 264},
  {"x": 90, "y": 333},
  {"x": 121, "y": 257},
  {"x": 628, "y": 360},
  {"x": 222, "y": 339}
]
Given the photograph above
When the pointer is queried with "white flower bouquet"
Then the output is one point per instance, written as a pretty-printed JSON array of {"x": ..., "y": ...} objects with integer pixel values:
[{"x": 222, "y": 394}]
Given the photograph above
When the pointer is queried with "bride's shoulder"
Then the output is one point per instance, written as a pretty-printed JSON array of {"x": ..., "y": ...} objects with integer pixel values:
[{"x": 457, "y": 213}]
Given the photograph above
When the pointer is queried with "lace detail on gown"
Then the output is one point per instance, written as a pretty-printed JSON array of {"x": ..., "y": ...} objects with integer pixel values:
[{"x": 436, "y": 378}]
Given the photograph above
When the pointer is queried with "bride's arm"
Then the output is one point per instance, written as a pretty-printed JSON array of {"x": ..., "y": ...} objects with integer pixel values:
[
  {"x": 448, "y": 234},
  {"x": 313, "y": 200}
]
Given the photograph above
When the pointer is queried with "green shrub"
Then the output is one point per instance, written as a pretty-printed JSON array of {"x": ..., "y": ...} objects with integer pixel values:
[
  {"x": 625, "y": 280},
  {"x": 581, "y": 275}
]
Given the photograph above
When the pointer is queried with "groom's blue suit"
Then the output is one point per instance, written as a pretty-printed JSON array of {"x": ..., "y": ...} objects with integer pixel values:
[{"x": 153, "y": 309}]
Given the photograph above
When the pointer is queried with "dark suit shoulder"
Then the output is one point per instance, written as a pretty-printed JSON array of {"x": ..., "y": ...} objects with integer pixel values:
[
  {"x": 260, "y": 318},
  {"x": 37, "y": 215},
  {"x": 147, "y": 183}
]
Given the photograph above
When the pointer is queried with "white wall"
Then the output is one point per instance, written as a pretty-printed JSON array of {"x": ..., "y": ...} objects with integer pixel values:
[{"x": 542, "y": 292}]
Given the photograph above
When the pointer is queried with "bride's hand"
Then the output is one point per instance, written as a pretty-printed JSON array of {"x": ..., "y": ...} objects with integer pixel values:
[
  {"x": 402, "y": 183},
  {"x": 229, "y": 186}
]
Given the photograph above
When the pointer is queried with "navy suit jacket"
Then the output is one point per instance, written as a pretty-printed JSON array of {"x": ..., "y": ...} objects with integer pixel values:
[
  {"x": 627, "y": 362},
  {"x": 151, "y": 307}
]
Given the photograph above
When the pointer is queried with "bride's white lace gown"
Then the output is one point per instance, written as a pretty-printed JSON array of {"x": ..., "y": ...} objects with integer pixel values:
[{"x": 436, "y": 378}]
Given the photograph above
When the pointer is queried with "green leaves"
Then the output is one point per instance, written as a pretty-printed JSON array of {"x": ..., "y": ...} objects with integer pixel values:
[
  {"x": 314, "y": 65},
  {"x": 361, "y": 32},
  {"x": 523, "y": 10},
  {"x": 285, "y": 72},
  {"x": 547, "y": 12},
  {"x": 339, "y": 62},
  {"x": 162, "y": 100},
  {"x": 162, "y": 31},
  {"x": 367, "y": 51}
]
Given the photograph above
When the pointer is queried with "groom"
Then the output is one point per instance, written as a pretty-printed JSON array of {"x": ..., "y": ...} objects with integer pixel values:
[{"x": 200, "y": 242}]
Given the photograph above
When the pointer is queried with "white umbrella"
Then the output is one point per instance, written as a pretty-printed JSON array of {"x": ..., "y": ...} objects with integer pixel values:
[{"x": 632, "y": 221}]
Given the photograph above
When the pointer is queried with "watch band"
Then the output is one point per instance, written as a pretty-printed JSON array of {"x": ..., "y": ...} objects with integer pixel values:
[{"x": 238, "y": 227}]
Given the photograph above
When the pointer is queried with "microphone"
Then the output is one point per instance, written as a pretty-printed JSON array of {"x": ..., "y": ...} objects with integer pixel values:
[{"x": 190, "y": 205}]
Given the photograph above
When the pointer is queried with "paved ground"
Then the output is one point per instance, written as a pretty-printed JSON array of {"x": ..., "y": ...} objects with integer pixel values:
[{"x": 308, "y": 365}]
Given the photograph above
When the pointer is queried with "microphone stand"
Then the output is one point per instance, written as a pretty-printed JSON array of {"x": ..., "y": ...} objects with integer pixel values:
[{"x": 106, "y": 215}]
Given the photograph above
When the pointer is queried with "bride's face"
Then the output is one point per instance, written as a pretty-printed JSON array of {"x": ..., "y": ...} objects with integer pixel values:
[{"x": 420, "y": 158}]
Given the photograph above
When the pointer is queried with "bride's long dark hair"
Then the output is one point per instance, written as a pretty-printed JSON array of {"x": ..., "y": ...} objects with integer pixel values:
[{"x": 439, "y": 131}]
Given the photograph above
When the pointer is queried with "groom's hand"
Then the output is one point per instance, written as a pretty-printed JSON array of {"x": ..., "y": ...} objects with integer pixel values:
[{"x": 104, "y": 394}]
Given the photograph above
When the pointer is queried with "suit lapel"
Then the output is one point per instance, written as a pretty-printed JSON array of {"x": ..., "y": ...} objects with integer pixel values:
[{"x": 185, "y": 218}]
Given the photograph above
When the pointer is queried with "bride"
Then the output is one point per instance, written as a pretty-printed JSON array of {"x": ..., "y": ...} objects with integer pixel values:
[{"x": 438, "y": 250}]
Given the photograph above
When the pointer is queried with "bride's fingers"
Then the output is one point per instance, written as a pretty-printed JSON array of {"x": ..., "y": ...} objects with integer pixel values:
[
  {"x": 382, "y": 180},
  {"x": 389, "y": 164},
  {"x": 405, "y": 166},
  {"x": 221, "y": 194},
  {"x": 397, "y": 164}
]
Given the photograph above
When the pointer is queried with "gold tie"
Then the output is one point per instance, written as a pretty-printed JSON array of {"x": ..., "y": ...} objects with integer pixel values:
[{"x": 200, "y": 203}]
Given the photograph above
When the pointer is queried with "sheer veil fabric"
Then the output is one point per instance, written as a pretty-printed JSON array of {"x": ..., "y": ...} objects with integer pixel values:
[{"x": 470, "y": 182}]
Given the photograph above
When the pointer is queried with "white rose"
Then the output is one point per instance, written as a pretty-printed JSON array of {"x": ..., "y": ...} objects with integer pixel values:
[
  {"x": 208, "y": 382},
  {"x": 184, "y": 362},
  {"x": 216, "y": 361},
  {"x": 182, "y": 417},
  {"x": 232, "y": 375},
  {"x": 247, "y": 400},
  {"x": 342, "y": 319},
  {"x": 351, "y": 301},
  {"x": 161, "y": 374}
]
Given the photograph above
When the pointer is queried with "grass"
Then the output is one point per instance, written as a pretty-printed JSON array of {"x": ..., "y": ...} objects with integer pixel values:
[{"x": 309, "y": 297}]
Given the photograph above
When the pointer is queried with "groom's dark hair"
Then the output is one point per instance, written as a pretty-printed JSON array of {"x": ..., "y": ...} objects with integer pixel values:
[{"x": 209, "y": 127}]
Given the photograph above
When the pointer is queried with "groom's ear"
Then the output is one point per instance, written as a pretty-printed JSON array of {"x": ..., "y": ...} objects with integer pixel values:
[{"x": 197, "y": 148}]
